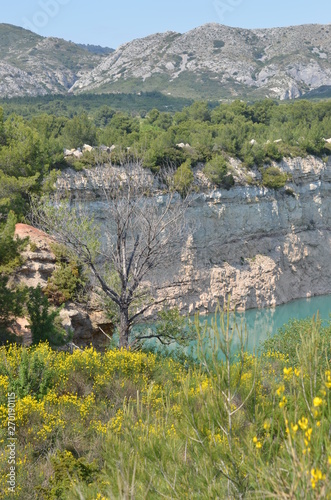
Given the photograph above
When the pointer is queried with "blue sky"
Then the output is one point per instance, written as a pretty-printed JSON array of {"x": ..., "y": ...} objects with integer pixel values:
[{"x": 110, "y": 22}]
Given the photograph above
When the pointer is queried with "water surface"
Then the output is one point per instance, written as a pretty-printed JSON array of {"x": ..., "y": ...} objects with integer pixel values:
[{"x": 262, "y": 323}]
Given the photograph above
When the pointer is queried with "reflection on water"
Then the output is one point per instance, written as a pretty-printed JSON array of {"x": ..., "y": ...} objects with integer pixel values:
[{"x": 262, "y": 323}]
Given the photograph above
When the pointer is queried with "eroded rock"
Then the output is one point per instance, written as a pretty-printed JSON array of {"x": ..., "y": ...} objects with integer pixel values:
[{"x": 84, "y": 320}]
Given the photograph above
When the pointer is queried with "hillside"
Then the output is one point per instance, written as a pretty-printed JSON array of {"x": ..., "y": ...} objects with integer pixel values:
[
  {"x": 216, "y": 61},
  {"x": 32, "y": 65},
  {"x": 211, "y": 62}
]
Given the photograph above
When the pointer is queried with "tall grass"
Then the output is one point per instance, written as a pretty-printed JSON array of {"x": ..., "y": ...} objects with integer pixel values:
[{"x": 124, "y": 425}]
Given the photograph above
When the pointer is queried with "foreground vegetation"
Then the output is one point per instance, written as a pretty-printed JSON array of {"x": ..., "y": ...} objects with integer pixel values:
[{"x": 126, "y": 424}]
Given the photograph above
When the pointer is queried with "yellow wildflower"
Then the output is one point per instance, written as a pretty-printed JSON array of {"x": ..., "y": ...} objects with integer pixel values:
[
  {"x": 294, "y": 427},
  {"x": 266, "y": 426},
  {"x": 280, "y": 390},
  {"x": 283, "y": 402},
  {"x": 308, "y": 434},
  {"x": 316, "y": 475},
  {"x": 317, "y": 402},
  {"x": 288, "y": 372},
  {"x": 303, "y": 423}
]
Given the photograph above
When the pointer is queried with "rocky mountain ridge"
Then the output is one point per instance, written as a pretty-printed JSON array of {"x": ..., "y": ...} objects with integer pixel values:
[
  {"x": 216, "y": 61},
  {"x": 212, "y": 61},
  {"x": 32, "y": 65}
]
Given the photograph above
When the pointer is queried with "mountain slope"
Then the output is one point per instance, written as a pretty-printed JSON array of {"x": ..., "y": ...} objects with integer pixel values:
[
  {"x": 33, "y": 65},
  {"x": 216, "y": 61},
  {"x": 212, "y": 61}
]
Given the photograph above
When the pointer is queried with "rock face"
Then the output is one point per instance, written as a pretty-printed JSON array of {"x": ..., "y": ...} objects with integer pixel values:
[
  {"x": 217, "y": 62},
  {"x": 264, "y": 247},
  {"x": 39, "y": 263}
]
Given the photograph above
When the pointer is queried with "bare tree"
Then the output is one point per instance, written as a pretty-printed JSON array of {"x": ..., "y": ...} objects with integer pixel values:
[{"x": 143, "y": 227}]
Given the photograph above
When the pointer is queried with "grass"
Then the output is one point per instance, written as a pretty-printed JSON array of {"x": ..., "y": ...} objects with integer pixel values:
[{"x": 136, "y": 425}]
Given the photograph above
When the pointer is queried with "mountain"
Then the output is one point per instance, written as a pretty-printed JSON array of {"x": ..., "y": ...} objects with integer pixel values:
[
  {"x": 33, "y": 65},
  {"x": 219, "y": 62},
  {"x": 210, "y": 62}
]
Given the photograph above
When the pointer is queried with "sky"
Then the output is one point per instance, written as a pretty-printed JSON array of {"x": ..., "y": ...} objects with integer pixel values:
[{"x": 113, "y": 22}]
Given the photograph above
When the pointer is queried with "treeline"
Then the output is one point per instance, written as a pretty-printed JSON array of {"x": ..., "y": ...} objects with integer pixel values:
[
  {"x": 71, "y": 105},
  {"x": 31, "y": 149}
]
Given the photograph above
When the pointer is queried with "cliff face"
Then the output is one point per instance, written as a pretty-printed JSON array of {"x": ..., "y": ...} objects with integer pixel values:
[{"x": 263, "y": 247}]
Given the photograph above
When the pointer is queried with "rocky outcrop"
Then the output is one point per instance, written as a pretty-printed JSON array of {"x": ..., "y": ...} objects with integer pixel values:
[
  {"x": 87, "y": 321},
  {"x": 264, "y": 247}
]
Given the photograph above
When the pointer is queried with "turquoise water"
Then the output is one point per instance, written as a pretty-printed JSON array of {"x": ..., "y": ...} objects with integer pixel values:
[{"x": 262, "y": 323}]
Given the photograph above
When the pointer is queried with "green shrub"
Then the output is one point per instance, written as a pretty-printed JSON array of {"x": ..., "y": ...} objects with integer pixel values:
[
  {"x": 183, "y": 178},
  {"x": 274, "y": 178},
  {"x": 216, "y": 169},
  {"x": 68, "y": 279},
  {"x": 42, "y": 321}
]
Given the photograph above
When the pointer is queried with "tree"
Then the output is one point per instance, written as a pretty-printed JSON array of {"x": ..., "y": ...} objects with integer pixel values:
[
  {"x": 11, "y": 301},
  {"x": 184, "y": 178},
  {"x": 79, "y": 131},
  {"x": 11, "y": 307},
  {"x": 143, "y": 228},
  {"x": 42, "y": 321},
  {"x": 216, "y": 169}
]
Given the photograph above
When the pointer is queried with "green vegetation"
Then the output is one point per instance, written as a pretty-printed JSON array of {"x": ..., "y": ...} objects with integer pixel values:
[
  {"x": 11, "y": 300},
  {"x": 70, "y": 105},
  {"x": 68, "y": 280},
  {"x": 274, "y": 178},
  {"x": 216, "y": 169},
  {"x": 22, "y": 301},
  {"x": 31, "y": 148},
  {"x": 125, "y": 423},
  {"x": 183, "y": 178}
]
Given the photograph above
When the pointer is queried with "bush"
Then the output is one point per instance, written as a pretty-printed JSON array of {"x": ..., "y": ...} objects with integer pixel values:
[
  {"x": 42, "y": 322},
  {"x": 183, "y": 178},
  {"x": 92, "y": 421},
  {"x": 68, "y": 280},
  {"x": 216, "y": 169},
  {"x": 274, "y": 178}
]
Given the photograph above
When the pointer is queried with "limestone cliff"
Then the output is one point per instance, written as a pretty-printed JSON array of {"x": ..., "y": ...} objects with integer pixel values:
[{"x": 264, "y": 247}]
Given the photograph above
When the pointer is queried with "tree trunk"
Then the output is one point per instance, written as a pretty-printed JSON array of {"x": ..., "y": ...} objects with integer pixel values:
[{"x": 124, "y": 328}]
